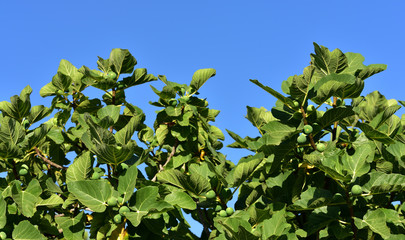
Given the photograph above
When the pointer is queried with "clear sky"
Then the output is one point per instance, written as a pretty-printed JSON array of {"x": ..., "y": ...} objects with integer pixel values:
[{"x": 242, "y": 40}]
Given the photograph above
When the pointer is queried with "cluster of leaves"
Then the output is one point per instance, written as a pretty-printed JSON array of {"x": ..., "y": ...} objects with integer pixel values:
[{"x": 78, "y": 173}]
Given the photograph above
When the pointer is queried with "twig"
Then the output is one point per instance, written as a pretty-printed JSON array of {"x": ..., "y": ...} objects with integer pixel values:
[
  {"x": 48, "y": 161},
  {"x": 167, "y": 161},
  {"x": 334, "y": 130}
]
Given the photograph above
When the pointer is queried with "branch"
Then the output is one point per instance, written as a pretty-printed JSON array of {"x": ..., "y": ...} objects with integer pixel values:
[
  {"x": 204, "y": 223},
  {"x": 167, "y": 161},
  {"x": 47, "y": 160},
  {"x": 350, "y": 205}
]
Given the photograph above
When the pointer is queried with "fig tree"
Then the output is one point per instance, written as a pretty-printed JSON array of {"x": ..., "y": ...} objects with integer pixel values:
[
  {"x": 308, "y": 129},
  {"x": 356, "y": 190},
  {"x": 112, "y": 201},
  {"x": 118, "y": 218},
  {"x": 23, "y": 172},
  {"x": 302, "y": 138},
  {"x": 111, "y": 75},
  {"x": 210, "y": 194},
  {"x": 223, "y": 213},
  {"x": 320, "y": 147},
  {"x": 229, "y": 211}
]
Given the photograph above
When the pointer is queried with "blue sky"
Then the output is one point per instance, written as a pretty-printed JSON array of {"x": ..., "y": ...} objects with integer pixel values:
[{"x": 242, "y": 40}]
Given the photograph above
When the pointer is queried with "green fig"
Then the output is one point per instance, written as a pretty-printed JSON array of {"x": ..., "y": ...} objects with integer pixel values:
[
  {"x": 123, "y": 210},
  {"x": 111, "y": 75},
  {"x": 320, "y": 147},
  {"x": 302, "y": 138},
  {"x": 210, "y": 194},
  {"x": 356, "y": 190},
  {"x": 308, "y": 129},
  {"x": 229, "y": 211},
  {"x": 118, "y": 218}
]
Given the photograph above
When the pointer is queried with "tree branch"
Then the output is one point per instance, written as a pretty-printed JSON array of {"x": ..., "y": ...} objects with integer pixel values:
[
  {"x": 48, "y": 161},
  {"x": 161, "y": 167}
]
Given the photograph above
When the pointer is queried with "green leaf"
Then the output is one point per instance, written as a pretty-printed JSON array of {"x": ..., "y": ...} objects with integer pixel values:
[
  {"x": 26, "y": 231},
  {"x": 311, "y": 199},
  {"x": 181, "y": 199},
  {"x": 329, "y": 62},
  {"x": 26, "y": 200},
  {"x": 127, "y": 181},
  {"x": 200, "y": 77},
  {"x": 374, "y": 134},
  {"x": 335, "y": 114},
  {"x": 161, "y": 133},
  {"x": 370, "y": 70},
  {"x": 259, "y": 116},
  {"x": 61, "y": 81},
  {"x": 37, "y": 113},
  {"x": 122, "y": 60},
  {"x": 92, "y": 193},
  {"x": 48, "y": 90},
  {"x": 195, "y": 184},
  {"x": 73, "y": 227},
  {"x": 376, "y": 221},
  {"x": 273, "y": 92},
  {"x": 338, "y": 85},
  {"x": 140, "y": 76},
  {"x": 109, "y": 111},
  {"x": 19, "y": 106},
  {"x": 36, "y": 136},
  {"x": 80, "y": 168},
  {"x": 358, "y": 164},
  {"x": 276, "y": 226},
  {"x": 277, "y": 131},
  {"x": 146, "y": 200},
  {"x": 245, "y": 169},
  {"x": 11, "y": 131},
  {"x": 380, "y": 182},
  {"x": 51, "y": 202},
  {"x": 240, "y": 142},
  {"x": 3, "y": 210}
]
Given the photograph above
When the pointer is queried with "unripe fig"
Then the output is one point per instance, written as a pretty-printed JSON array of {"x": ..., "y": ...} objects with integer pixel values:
[
  {"x": 320, "y": 147},
  {"x": 223, "y": 213},
  {"x": 3, "y": 235},
  {"x": 310, "y": 108},
  {"x": 296, "y": 104},
  {"x": 210, "y": 194},
  {"x": 23, "y": 172},
  {"x": 173, "y": 102},
  {"x": 95, "y": 176},
  {"x": 356, "y": 190},
  {"x": 185, "y": 98},
  {"x": 120, "y": 200},
  {"x": 308, "y": 129},
  {"x": 302, "y": 138},
  {"x": 112, "y": 201},
  {"x": 118, "y": 218},
  {"x": 123, "y": 210},
  {"x": 111, "y": 75},
  {"x": 24, "y": 166},
  {"x": 229, "y": 211},
  {"x": 218, "y": 208}
]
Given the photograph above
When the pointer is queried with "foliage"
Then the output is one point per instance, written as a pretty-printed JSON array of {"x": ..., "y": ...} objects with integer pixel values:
[{"x": 328, "y": 163}]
